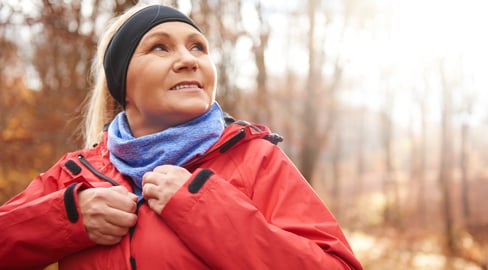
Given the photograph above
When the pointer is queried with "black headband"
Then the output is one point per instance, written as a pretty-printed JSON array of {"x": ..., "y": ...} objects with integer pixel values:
[{"x": 124, "y": 42}]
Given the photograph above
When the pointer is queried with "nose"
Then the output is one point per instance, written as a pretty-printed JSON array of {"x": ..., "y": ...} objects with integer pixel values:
[{"x": 185, "y": 61}]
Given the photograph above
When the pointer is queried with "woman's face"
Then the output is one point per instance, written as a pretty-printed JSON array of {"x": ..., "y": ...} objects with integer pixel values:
[{"x": 171, "y": 78}]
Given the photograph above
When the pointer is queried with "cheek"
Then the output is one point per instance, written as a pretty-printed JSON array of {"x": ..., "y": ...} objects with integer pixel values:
[
  {"x": 130, "y": 82},
  {"x": 211, "y": 75},
  {"x": 137, "y": 88}
]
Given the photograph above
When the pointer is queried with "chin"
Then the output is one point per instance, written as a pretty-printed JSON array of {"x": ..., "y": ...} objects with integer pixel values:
[
  {"x": 198, "y": 107},
  {"x": 199, "y": 111},
  {"x": 193, "y": 109}
]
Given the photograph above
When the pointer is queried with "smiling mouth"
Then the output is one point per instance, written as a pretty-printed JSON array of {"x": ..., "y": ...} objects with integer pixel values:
[{"x": 186, "y": 85}]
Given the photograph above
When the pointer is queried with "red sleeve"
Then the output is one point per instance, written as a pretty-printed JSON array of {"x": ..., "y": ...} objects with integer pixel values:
[
  {"x": 283, "y": 224},
  {"x": 34, "y": 225}
]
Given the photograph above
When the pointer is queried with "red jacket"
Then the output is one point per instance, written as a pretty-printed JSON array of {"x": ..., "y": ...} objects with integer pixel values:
[{"x": 246, "y": 206}]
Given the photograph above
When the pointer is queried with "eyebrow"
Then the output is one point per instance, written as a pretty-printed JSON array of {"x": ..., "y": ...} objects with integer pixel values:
[
  {"x": 166, "y": 35},
  {"x": 157, "y": 34}
]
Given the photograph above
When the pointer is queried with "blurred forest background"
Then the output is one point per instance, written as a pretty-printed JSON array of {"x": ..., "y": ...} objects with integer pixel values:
[{"x": 382, "y": 104}]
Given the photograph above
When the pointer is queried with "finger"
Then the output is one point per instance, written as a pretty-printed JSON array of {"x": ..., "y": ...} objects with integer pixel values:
[
  {"x": 152, "y": 178},
  {"x": 133, "y": 197},
  {"x": 155, "y": 205},
  {"x": 104, "y": 239},
  {"x": 176, "y": 173},
  {"x": 99, "y": 228},
  {"x": 164, "y": 168},
  {"x": 150, "y": 190},
  {"x": 155, "y": 197},
  {"x": 113, "y": 229},
  {"x": 125, "y": 202},
  {"x": 122, "y": 190},
  {"x": 120, "y": 218}
]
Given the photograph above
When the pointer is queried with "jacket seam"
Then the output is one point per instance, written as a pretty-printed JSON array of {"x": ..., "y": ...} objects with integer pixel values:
[{"x": 247, "y": 182}]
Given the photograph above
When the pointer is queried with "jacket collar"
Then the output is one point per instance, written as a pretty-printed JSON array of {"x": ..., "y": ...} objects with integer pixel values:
[{"x": 235, "y": 133}]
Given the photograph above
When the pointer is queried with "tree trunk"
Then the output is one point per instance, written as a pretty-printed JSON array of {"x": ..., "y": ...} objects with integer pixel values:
[
  {"x": 336, "y": 175},
  {"x": 418, "y": 159},
  {"x": 262, "y": 113},
  {"x": 310, "y": 151},
  {"x": 389, "y": 184},
  {"x": 446, "y": 163},
  {"x": 465, "y": 172}
]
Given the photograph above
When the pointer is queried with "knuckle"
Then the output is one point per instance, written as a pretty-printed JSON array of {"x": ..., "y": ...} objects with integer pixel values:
[
  {"x": 147, "y": 175},
  {"x": 133, "y": 207},
  {"x": 99, "y": 193}
]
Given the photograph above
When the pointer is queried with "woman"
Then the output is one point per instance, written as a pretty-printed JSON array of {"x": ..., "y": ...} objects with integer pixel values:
[{"x": 170, "y": 185}]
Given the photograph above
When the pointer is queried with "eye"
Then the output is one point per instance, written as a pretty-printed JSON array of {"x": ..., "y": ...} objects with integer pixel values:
[
  {"x": 159, "y": 47},
  {"x": 198, "y": 46}
]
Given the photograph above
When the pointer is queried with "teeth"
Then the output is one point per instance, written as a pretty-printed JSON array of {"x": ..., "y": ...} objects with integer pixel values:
[{"x": 182, "y": 86}]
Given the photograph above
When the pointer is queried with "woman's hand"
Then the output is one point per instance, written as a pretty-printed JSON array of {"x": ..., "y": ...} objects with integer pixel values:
[
  {"x": 161, "y": 184},
  {"x": 107, "y": 213}
]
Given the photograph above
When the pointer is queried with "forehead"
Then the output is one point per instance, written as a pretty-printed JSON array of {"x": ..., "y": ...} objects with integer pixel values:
[{"x": 173, "y": 30}]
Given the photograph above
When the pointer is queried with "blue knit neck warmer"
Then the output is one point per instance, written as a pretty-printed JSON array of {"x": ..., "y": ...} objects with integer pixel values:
[{"x": 175, "y": 145}]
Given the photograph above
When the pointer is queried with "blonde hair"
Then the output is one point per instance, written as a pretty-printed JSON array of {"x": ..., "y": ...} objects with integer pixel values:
[{"x": 101, "y": 107}]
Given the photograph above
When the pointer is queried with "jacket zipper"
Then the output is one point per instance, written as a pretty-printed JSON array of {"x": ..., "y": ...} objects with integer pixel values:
[
  {"x": 92, "y": 169},
  {"x": 95, "y": 171},
  {"x": 132, "y": 259}
]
